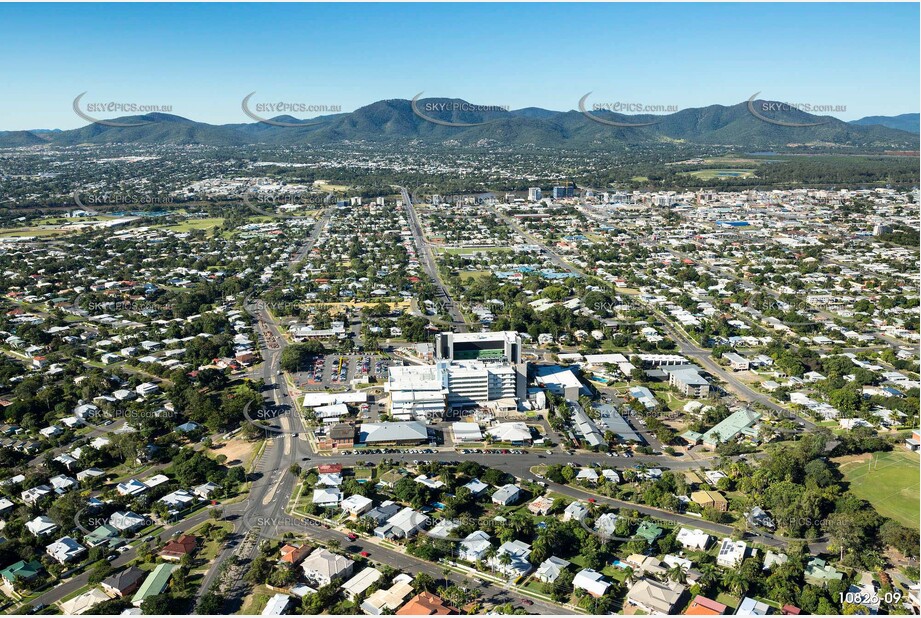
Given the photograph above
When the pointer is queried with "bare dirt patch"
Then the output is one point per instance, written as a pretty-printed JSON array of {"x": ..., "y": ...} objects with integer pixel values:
[{"x": 237, "y": 451}]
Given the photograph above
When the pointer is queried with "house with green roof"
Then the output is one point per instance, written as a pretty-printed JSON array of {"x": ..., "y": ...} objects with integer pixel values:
[
  {"x": 155, "y": 583},
  {"x": 21, "y": 572},
  {"x": 391, "y": 477},
  {"x": 649, "y": 532},
  {"x": 736, "y": 424},
  {"x": 103, "y": 535},
  {"x": 819, "y": 573}
]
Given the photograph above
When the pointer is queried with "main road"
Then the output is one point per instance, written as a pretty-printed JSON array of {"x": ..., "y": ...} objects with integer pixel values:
[
  {"x": 424, "y": 251},
  {"x": 686, "y": 345}
]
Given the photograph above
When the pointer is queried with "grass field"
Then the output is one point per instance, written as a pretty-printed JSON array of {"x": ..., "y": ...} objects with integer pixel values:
[
  {"x": 28, "y": 231},
  {"x": 477, "y": 274},
  {"x": 726, "y": 173},
  {"x": 890, "y": 483},
  {"x": 195, "y": 224},
  {"x": 469, "y": 250}
]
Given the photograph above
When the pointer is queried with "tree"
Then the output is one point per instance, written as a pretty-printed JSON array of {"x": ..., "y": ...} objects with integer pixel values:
[
  {"x": 157, "y": 604},
  {"x": 210, "y": 603},
  {"x": 894, "y": 534},
  {"x": 423, "y": 582},
  {"x": 678, "y": 574}
]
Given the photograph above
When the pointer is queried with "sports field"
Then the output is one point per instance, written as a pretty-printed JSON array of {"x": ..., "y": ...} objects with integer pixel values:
[
  {"x": 724, "y": 173},
  {"x": 888, "y": 481}
]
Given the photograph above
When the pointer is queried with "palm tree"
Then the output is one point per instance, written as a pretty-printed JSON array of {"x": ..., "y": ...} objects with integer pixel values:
[
  {"x": 446, "y": 571},
  {"x": 709, "y": 575},
  {"x": 678, "y": 574},
  {"x": 735, "y": 582},
  {"x": 505, "y": 559},
  {"x": 490, "y": 554}
]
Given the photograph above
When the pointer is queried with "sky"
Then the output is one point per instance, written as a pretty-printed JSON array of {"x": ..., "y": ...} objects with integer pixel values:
[{"x": 201, "y": 60}]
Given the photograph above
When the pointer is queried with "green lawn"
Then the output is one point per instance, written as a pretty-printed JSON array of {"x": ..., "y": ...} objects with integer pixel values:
[
  {"x": 477, "y": 274},
  {"x": 889, "y": 482},
  {"x": 470, "y": 250},
  {"x": 723, "y": 173},
  {"x": 195, "y": 224}
]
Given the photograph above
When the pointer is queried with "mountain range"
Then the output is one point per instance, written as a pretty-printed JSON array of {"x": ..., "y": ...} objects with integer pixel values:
[
  {"x": 903, "y": 122},
  {"x": 397, "y": 122}
]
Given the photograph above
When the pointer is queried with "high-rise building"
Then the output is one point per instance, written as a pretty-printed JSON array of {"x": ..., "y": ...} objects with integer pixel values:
[
  {"x": 504, "y": 346},
  {"x": 564, "y": 191},
  {"x": 471, "y": 369},
  {"x": 534, "y": 194}
]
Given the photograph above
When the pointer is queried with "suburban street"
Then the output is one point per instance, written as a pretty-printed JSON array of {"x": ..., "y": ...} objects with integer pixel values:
[{"x": 428, "y": 262}]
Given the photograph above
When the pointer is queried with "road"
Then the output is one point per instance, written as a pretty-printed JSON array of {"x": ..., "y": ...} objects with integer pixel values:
[
  {"x": 311, "y": 240},
  {"x": 424, "y": 251},
  {"x": 73, "y": 584},
  {"x": 273, "y": 485},
  {"x": 687, "y": 346}
]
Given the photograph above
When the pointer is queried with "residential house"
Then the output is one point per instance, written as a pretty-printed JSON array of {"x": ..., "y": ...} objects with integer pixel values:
[
  {"x": 576, "y": 511},
  {"x": 178, "y": 500},
  {"x": 327, "y": 497},
  {"x": 710, "y": 499},
  {"x": 81, "y": 604},
  {"x": 132, "y": 487},
  {"x": 360, "y": 582},
  {"x": 356, "y": 505},
  {"x": 732, "y": 553},
  {"x": 506, "y": 495},
  {"x": 591, "y": 581},
  {"x": 702, "y": 606},
  {"x": 387, "y": 600},
  {"x": 65, "y": 549},
  {"x": 291, "y": 554},
  {"x": 21, "y": 572},
  {"x": 277, "y": 605},
  {"x": 819, "y": 573},
  {"x": 155, "y": 583},
  {"x": 474, "y": 546},
  {"x": 752, "y": 607},
  {"x": 382, "y": 513},
  {"x": 32, "y": 495},
  {"x": 655, "y": 597},
  {"x": 323, "y": 566},
  {"x": 518, "y": 552},
  {"x": 550, "y": 569},
  {"x": 124, "y": 582},
  {"x": 541, "y": 505},
  {"x": 41, "y": 526},
  {"x": 127, "y": 521},
  {"x": 758, "y": 517},
  {"x": 402, "y": 525},
  {"x": 176, "y": 549},
  {"x": 426, "y": 604},
  {"x": 606, "y": 524},
  {"x": 649, "y": 532},
  {"x": 695, "y": 540}
]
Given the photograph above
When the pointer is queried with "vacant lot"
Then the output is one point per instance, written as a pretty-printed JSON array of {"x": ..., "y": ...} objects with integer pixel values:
[{"x": 889, "y": 481}]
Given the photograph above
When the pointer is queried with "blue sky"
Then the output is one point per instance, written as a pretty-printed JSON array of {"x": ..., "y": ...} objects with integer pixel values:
[{"x": 202, "y": 59}]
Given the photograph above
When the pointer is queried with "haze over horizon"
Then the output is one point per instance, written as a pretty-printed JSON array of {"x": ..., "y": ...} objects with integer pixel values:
[{"x": 201, "y": 60}]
